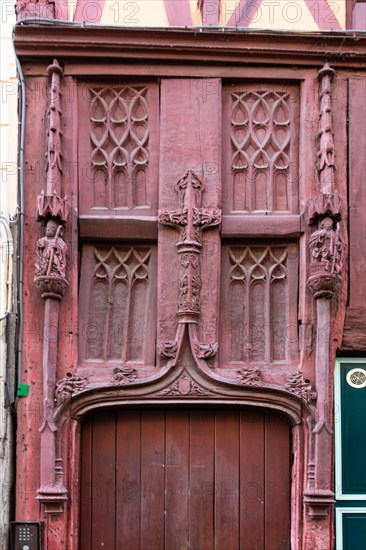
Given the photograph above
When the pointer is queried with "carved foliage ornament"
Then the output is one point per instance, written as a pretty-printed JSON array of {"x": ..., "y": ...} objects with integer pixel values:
[
  {"x": 206, "y": 351},
  {"x": 185, "y": 386},
  {"x": 297, "y": 385},
  {"x": 249, "y": 376},
  {"x": 71, "y": 385},
  {"x": 122, "y": 376},
  {"x": 168, "y": 349}
]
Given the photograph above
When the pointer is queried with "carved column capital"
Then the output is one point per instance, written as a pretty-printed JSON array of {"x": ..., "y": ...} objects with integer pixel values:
[{"x": 319, "y": 502}]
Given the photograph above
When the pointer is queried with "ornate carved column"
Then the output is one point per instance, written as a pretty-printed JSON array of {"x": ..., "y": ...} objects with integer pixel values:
[
  {"x": 50, "y": 278},
  {"x": 326, "y": 273},
  {"x": 190, "y": 219}
]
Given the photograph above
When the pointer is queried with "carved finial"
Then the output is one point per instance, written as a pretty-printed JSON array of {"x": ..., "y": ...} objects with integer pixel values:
[
  {"x": 326, "y": 160},
  {"x": 54, "y": 135}
]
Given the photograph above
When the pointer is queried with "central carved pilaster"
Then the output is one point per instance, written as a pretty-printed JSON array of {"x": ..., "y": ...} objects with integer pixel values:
[{"x": 190, "y": 219}]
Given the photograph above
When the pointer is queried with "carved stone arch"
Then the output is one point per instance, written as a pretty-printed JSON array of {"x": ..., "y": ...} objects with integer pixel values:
[
  {"x": 90, "y": 401},
  {"x": 288, "y": 406}
]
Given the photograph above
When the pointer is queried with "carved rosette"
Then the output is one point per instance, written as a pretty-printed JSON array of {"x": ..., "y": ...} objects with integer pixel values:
[{"x": 190, "y": 219}]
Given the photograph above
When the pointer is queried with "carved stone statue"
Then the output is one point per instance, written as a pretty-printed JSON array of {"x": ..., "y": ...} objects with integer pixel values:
[
  {"x": 326, "y": 251},
  {"x": 51, "y": 252},
  {"x": 50, "y": 266},
  {"x": 326, "y": 247}
]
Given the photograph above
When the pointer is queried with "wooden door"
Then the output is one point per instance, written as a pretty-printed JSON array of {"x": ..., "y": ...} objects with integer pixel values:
[{"x": 185, "y": 479}]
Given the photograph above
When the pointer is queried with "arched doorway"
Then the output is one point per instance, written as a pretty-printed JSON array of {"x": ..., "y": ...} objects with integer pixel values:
[{"x": 174, "y": 479}]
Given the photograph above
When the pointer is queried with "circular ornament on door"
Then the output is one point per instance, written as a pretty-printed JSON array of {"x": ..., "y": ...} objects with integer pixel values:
[{"x": 356, "y": 378}]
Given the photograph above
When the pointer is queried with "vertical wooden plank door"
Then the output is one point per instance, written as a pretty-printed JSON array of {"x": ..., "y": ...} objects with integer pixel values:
[{"x": 198, "y": 479}]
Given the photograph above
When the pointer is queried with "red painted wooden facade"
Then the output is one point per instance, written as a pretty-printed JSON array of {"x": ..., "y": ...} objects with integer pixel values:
[{"x": 201, "y": 270}]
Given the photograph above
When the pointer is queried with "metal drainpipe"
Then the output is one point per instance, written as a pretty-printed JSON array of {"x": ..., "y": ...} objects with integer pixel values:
[{"x": 20, "y": 255}]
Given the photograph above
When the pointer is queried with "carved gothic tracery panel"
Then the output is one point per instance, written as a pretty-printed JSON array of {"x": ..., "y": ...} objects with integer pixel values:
[
  {"x": 258, "y": 304},
  {"x": 119, "y": 147},
  {"x": 260, "y": 153},
  {"x": 118, "y": 298}
]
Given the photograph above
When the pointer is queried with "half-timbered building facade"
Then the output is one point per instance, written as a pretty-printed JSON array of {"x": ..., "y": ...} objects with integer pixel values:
[{"x": 194, "y": 226}]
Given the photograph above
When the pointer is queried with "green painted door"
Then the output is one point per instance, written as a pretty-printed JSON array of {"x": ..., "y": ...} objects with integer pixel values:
[{"x": 350, "y": 459}]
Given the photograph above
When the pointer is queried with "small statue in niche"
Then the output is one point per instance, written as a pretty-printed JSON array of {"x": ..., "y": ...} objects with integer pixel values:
[
  {"x": 51, "y": 253},
  {"x": 326, "y": 247}
]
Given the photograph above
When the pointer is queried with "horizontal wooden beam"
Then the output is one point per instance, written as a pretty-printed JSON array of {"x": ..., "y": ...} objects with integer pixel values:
[
  {"x": 137, "y": 228},
  {"x": 261, "y": 226},
  {"x": 202, "y": 46}
]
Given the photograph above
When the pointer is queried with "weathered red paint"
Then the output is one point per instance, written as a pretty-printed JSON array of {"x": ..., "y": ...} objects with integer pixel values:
[{"x": 171, "y": 247}]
